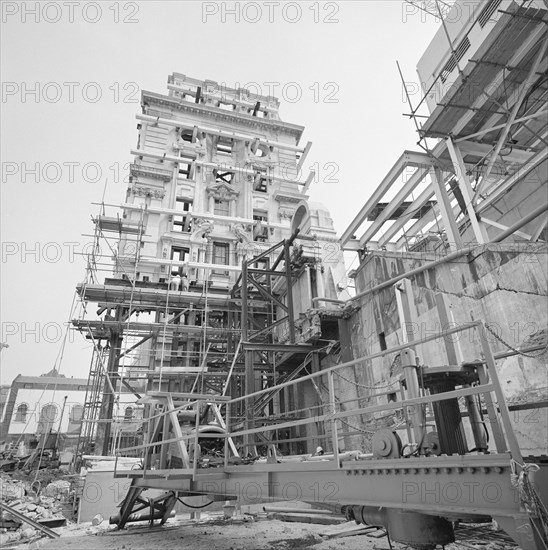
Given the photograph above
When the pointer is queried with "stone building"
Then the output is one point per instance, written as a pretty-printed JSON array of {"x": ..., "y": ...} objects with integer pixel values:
[{"x": 218, "y": 179}]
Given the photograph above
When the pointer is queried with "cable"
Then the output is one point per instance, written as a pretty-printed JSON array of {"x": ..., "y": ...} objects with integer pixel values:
[
  {"x": 57, "y": 364},
  {"x": 195, "y": 507}
]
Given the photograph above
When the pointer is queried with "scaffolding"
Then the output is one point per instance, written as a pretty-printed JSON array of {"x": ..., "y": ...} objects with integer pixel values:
[
  {"x": 480, "y": 177},
  {"x": 250, "y": 354}
]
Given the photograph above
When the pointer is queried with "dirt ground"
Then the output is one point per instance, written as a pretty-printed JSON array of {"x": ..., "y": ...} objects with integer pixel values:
[
  {"x": 216, "y": 535},
  {"x": 243, "y": 532}
]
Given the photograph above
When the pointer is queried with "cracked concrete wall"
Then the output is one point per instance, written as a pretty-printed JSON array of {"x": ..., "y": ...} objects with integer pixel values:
[{"x": 504, "y": 285}]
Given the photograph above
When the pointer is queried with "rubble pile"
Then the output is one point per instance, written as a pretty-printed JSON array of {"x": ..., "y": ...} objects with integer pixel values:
[{"x": 47, "y": 506}]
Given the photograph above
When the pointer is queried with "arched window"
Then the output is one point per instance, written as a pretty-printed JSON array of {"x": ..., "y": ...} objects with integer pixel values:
[
  {"x": 75, "y": 419},
  {"x": 21, "y": 413},
  {"x": 47, "y": 418},
  {"x": 76, "y": 413},
  {"x": 128, "y": 414}
]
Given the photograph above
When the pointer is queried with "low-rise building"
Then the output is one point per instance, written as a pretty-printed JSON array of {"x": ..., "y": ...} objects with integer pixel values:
[{"x": 40, "y": 404}]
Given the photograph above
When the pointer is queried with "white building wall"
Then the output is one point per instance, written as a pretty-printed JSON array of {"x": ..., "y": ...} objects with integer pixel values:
[{"x": 36, "y": 399}]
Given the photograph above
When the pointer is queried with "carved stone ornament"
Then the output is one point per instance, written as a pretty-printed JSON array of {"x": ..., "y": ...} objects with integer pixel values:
[
  {"x": 203, "y": 229},
  {"x": 222, "y": 191},
  {"x": 286, "y": 213},
  {"x": 242, "y": 232},
  {"x": 139, "y": 170},
  {"x": 153, "y": 192}
]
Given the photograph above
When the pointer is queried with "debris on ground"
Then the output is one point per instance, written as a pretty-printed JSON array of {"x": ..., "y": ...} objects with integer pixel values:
[
  {"x": 250, "y": 527},
  {"x": 323, "y": 519},
  {"x": 43, "y": 497},
  {"x": 349, "y": 529}
]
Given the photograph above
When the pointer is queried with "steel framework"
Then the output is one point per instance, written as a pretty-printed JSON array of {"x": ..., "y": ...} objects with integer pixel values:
[{"x": 461, "y": 486}]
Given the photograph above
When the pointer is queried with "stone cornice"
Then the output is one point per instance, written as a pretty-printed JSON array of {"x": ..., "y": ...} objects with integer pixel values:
[
  {"x": 150, "y": 172},
  {"x": 221, "y": 115},
  {"x": 288, "y": 197}
]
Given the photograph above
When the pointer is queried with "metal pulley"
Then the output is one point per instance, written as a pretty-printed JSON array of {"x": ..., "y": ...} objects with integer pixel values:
[{"x": 386, "y": 444}]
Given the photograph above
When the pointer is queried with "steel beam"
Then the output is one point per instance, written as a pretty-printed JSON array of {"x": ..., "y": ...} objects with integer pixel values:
[
  {"x": 483, "y": 149},
  {"x": 464, "y": 184},
  {"x": 394, "y": 204},
  {"x": 142, "y": 341},
  {"x": 170, "y": 406},
  {"x": 507, "y": 184},
  {"x": 500, "y": 126},
  {"x": 418, "y": 203},
  {"x": 524, "y": 88},
  {"x": 505, "y": 227},
  {"x": 444, "y": 203},
  {"x": 107, "y": 405},
  {"x": 289, "y": 348},
  {"x": 408, "y": 158},
  {"x": 267, "y": 296},
  {"x": 540, "y": 228},
  {"x": 414, "y": 483},
  {"x": 289, "y": 295},
  {"x": 36, "y": 524},
  {"x": 523, "y": 221}
]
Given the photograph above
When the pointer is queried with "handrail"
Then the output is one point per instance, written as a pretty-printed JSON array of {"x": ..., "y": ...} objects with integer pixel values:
[
  {"x": 463, "y": 327},
  {"x": 488, "y": 384},
  {"x": 473, "y": 390}
]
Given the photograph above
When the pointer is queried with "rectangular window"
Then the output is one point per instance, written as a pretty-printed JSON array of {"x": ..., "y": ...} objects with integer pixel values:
[
  {"x": 183, "y": 222},
  {"x": 313, "y": 282},
  {"x": 224, "y": 145},
  {"x": 76, "y": 413},
  {"x": 220, "y": 257},
  {"x": 222, "y": 208},
  {"x": 260, "y": 182},
  {"x": 260, "y": 229},
  {"x": 179, "y": 254},
  {"x": 220, "y": 253},
  {"x": 185, "y": 169}
]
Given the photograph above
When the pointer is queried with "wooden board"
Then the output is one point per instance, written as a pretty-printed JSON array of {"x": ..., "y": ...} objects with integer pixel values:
[
  {"x": 347, "y": 529},
  {"x": 306, "y": 518}
]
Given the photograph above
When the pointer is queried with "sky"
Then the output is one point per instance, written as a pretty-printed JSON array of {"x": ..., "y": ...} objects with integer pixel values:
[{"x": 71, "y": 76}]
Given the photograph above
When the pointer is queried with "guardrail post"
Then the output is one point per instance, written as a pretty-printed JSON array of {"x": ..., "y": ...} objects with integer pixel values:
[
  {"x": 501, "y": 401},
  {"x": 196, "y": 438},
  {"x": 333, "y": 410},
  {"x": 227, "y": 432},
  {"x": 409, "y": 367}
]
